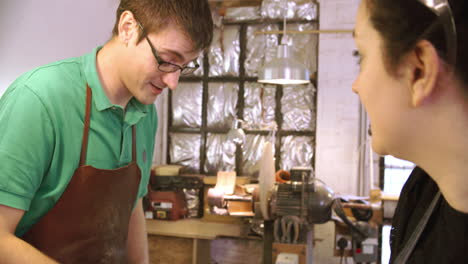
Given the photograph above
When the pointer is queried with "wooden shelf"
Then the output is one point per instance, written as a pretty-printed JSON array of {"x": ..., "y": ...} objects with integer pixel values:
[{"x": 195, "y": 228}]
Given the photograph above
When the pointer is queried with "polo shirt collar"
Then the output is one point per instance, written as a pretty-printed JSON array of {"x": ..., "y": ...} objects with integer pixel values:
[
  {"x": 139, "y": 106},
  {"x": 92, "y": 78},
  {"x": 100, "y": 99}
]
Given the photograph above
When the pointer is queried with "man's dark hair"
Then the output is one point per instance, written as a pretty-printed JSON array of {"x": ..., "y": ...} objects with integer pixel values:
[{"x": 192, "y": 16}]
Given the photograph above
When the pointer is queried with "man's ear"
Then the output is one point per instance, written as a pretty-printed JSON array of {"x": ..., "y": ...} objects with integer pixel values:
[
  {"x": 127, "y": 27},
  {"x": 424, "y": 68}
]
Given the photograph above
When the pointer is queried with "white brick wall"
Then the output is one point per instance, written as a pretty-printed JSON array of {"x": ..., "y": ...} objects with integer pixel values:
[
  {"x": 336, "y": 158},
  {"x": 338, "y": 106}
]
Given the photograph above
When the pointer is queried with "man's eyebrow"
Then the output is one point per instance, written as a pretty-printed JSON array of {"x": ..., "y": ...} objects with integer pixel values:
[
  {"x": 178, "y": 55},
  {"x": 174, "y": 52}
]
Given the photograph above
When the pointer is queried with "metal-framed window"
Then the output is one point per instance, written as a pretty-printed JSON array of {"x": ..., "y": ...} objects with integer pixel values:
[{"x": 205, "y": 133}]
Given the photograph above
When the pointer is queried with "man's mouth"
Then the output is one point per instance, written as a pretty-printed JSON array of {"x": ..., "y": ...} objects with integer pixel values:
[{"x": 155, "y": 89}]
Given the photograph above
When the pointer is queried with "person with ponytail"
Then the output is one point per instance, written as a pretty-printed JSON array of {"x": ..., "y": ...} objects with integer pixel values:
[{"x": 413, "y": 82}]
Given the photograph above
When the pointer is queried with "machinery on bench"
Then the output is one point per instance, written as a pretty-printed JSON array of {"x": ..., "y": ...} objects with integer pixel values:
[
  {"x": 288, "y": 202},
  {"x": 293, "y": 204}
]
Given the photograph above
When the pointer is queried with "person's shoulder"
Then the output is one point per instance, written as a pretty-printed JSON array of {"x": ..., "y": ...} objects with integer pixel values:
[
  {"x": 454, "y": 214},
  {"x": 51, "y": 80},
  {"x": 53, "y": 74},
  {"x": 417, "y": 181},
  {"x": 417, "y": 193}
]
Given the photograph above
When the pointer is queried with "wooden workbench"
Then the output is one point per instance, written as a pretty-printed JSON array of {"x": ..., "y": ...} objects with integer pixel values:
[{"x": 188, "y": 241}]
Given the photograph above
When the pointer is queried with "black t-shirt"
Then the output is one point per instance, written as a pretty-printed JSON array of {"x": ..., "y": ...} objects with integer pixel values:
[{"x": 445, "y": 237}]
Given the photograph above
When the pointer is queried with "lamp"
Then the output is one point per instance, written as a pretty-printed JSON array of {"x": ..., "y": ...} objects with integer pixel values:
[
  {"x": 236, "y": 134},
  {"x": 284, "y": 68}
]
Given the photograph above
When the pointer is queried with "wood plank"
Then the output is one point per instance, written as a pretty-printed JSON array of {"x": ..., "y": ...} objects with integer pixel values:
[
  {"x": 201, "y": 251},
  {"x": 299, "y": 249},
  {"x": 240, "y": 180},
  {"x": 163, "y": 249},
  {"x": 195, "y": 228},
  {"x": 236, "y": 251}
]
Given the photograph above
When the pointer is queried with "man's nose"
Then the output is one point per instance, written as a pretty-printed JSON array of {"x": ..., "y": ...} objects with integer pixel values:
[{"x": 171, "y": 79}]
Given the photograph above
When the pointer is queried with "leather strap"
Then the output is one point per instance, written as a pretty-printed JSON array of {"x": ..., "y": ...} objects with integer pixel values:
[
  {"x": 84, "y": 144},
  {"x": 404, "y": 255}
]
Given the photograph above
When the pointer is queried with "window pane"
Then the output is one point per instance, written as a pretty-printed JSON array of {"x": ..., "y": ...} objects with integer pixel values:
[
  {"x": 185, "y": 150},
  {"x": 220, "y": 154},
  {"x": 396, "y": 173},
  {"x": 222, "y": 104},
  {"x": 297, "y": 107},
  {"x": 299, "y": 151},
  {"x": 187, "y": 105},
  {"x": 386, "y": 243}
]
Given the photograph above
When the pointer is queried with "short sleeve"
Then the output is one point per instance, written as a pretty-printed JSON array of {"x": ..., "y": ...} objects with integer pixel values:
[{"x": 26, "y": 146}]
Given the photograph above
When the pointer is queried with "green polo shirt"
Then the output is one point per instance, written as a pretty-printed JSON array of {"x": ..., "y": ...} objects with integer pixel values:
[{"x": 42, "y": 116}]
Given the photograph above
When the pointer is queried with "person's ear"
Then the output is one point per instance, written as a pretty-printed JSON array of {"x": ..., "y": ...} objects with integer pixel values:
[
  {"x": 127, "y": 27},
  {"x": 424, "y": 69}
]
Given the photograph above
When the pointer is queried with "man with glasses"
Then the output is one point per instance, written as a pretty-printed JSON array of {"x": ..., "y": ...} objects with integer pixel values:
[{"x": 77, "y": 138}]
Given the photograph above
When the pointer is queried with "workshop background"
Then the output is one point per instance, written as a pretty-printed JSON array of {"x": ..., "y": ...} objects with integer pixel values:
[{"x": 328, "y": 122}]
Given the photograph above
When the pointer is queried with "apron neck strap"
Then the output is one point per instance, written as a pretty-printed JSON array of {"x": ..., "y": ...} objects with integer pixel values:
[{"x": 84, "y": 145}]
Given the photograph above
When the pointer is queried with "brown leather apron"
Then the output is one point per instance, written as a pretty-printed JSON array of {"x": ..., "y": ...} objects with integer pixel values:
[{"x": 89, "y": 223}]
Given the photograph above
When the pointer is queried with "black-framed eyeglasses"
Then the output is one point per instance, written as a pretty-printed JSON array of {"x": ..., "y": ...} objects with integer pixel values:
[
  {"x": 168, "y": 67},
  {"x": 442, "y": 9}
]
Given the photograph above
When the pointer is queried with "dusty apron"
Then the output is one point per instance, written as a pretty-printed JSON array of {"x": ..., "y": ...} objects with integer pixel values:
[{"x": 89, "y": 223}]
